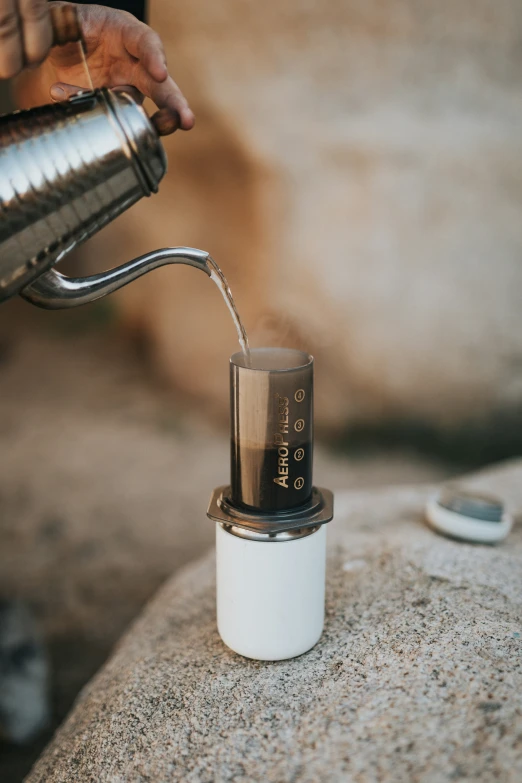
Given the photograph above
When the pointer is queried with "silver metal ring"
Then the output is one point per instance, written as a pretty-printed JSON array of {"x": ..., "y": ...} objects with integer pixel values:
[{"x": 275, "y": 538}]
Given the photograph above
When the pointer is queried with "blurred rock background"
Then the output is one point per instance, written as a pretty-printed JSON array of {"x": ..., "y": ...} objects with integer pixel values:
[{"x": 356, "y": 169}]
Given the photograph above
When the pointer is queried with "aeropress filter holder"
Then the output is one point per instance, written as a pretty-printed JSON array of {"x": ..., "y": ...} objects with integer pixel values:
[{"x": 270, "y": 534}]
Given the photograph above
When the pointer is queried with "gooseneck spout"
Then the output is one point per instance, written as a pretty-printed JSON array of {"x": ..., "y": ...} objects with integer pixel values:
[{"x": 54, "y": 291}]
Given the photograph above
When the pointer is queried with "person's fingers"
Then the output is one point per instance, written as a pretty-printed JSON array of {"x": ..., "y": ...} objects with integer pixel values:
[
  {"x": 152, "y": 76},
  {"x": 60, "y": 91},
  {"x": 11, "y": 45},
  {"x": 166, "y": 95},
  {"x": 145, "y": 45},
  {"x": 36, "y": 30}
]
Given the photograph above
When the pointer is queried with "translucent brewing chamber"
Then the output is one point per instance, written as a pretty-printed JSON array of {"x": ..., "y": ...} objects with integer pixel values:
[
  {"x": 271, "y": 429},
  {"x": 270, "y": 531}
]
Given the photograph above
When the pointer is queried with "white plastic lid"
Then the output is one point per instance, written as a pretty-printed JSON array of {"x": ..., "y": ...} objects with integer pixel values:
[{"x": 468, "y": 516}]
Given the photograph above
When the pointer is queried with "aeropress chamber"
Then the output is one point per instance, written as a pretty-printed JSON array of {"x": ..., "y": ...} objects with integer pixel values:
[{"x": 270, "y": 531}]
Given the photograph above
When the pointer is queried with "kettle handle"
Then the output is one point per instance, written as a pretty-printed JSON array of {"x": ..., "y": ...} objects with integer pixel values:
[{"x": 54, "y": 291}]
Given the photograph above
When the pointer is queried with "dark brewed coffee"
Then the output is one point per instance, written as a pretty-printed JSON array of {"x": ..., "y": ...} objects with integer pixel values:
[{"x": 272, "y": 479}]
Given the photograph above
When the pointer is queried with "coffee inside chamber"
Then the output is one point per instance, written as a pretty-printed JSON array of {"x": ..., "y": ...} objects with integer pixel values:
[{"x": 259, "y": 481}]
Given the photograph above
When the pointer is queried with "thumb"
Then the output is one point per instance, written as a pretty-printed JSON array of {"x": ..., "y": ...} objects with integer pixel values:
[{"x": 61, "y": 91}]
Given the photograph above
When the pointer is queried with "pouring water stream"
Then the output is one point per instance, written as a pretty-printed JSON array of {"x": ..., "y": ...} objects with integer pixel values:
[{"x": 220, "y": 280}]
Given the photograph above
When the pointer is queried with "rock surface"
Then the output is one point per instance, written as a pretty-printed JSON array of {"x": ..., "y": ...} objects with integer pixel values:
[
  {"x": 417, "y": 675},
  {"x": 104, "y": 481}
]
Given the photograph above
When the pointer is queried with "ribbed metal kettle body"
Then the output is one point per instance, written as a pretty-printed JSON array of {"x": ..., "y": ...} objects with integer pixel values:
[{"x": 66, "y": 170}]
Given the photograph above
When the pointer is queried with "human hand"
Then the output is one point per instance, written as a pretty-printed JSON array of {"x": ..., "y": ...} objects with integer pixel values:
[{"x": 120, "y": 51}]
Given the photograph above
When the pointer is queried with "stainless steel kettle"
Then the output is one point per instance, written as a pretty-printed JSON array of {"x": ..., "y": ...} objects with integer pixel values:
[{"x": 66, "y": 170}]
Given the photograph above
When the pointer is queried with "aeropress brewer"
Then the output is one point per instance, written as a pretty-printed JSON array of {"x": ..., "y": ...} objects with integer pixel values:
[{"x": 270, "y": 531}]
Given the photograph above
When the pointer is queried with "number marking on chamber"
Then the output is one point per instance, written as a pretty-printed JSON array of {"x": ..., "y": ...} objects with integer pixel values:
[{"x": 299, "y": 425}]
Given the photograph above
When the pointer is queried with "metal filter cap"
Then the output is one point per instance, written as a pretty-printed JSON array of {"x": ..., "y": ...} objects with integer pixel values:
[{"x": 468, "y": 516}]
